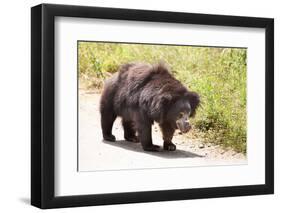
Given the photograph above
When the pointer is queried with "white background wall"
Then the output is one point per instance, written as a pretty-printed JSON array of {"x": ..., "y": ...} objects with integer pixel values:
[{"x": 15, "y": 105}]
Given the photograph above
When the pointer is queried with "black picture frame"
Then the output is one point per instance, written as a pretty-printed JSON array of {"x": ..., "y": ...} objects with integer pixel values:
[{"x": 43, "y": 102}]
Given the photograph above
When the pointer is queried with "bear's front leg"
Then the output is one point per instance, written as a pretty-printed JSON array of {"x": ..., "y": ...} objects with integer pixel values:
[
  {"x": 168, "y": 133},
  {"x": 146, "y": 139},
  {"x": 144, "y": 133}
]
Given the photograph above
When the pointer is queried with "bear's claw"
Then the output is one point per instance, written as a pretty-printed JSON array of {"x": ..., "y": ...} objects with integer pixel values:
[
  {"x": 132, "y": 139},
  {"x": 169, "y": 146},
  {"x": 109, "y": 138},
  {"x": 152, "y": 148}
]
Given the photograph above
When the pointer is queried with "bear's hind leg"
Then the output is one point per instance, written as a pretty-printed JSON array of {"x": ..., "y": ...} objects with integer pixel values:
[
  {"x": 129, "y": 131},
  {"x": 107, "y": 120}
]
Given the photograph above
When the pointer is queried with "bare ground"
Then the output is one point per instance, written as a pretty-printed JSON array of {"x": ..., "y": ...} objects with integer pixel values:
[{"x": 96, "y": 154}]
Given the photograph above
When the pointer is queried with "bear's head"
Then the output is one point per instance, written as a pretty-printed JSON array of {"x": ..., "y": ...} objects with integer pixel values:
[{"x": 181, "y": 110}]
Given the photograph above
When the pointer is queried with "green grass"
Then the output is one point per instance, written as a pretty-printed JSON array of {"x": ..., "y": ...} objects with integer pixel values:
[{"x": 217, "y": 74}]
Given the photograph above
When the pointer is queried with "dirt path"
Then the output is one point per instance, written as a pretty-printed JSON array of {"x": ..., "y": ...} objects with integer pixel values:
[{"x": 96, "y": 154}]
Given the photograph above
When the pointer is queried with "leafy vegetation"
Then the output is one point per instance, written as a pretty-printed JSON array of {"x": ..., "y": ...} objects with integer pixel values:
[{"x": 217, "y": 74}]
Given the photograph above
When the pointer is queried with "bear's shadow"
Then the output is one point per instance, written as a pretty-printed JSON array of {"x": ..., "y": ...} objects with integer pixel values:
[{"x": 136, "y": 147}]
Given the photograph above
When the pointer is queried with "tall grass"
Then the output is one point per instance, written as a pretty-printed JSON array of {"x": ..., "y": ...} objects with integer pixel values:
[{"x": 217, "y": 74}]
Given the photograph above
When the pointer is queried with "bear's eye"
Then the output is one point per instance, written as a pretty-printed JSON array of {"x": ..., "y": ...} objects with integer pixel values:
[{"x": 181, "y": 114}]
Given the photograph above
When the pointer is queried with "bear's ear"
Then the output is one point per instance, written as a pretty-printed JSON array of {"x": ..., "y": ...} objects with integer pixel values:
[{"x": 194, "y": 101}]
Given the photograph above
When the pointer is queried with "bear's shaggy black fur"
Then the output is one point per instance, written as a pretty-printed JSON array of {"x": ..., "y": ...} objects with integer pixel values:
[{"x": 141, "y": 94}]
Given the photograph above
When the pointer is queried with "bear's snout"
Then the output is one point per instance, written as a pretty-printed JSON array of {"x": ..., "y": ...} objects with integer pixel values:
[{"x": 183, "y": 126}]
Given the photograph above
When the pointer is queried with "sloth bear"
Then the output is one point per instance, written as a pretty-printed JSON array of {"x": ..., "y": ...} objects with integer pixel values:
[{"x": 141, "y": 94}]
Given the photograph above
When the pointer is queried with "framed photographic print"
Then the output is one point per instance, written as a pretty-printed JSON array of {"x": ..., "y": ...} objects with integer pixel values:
[{"x": 139, "y": 106}]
